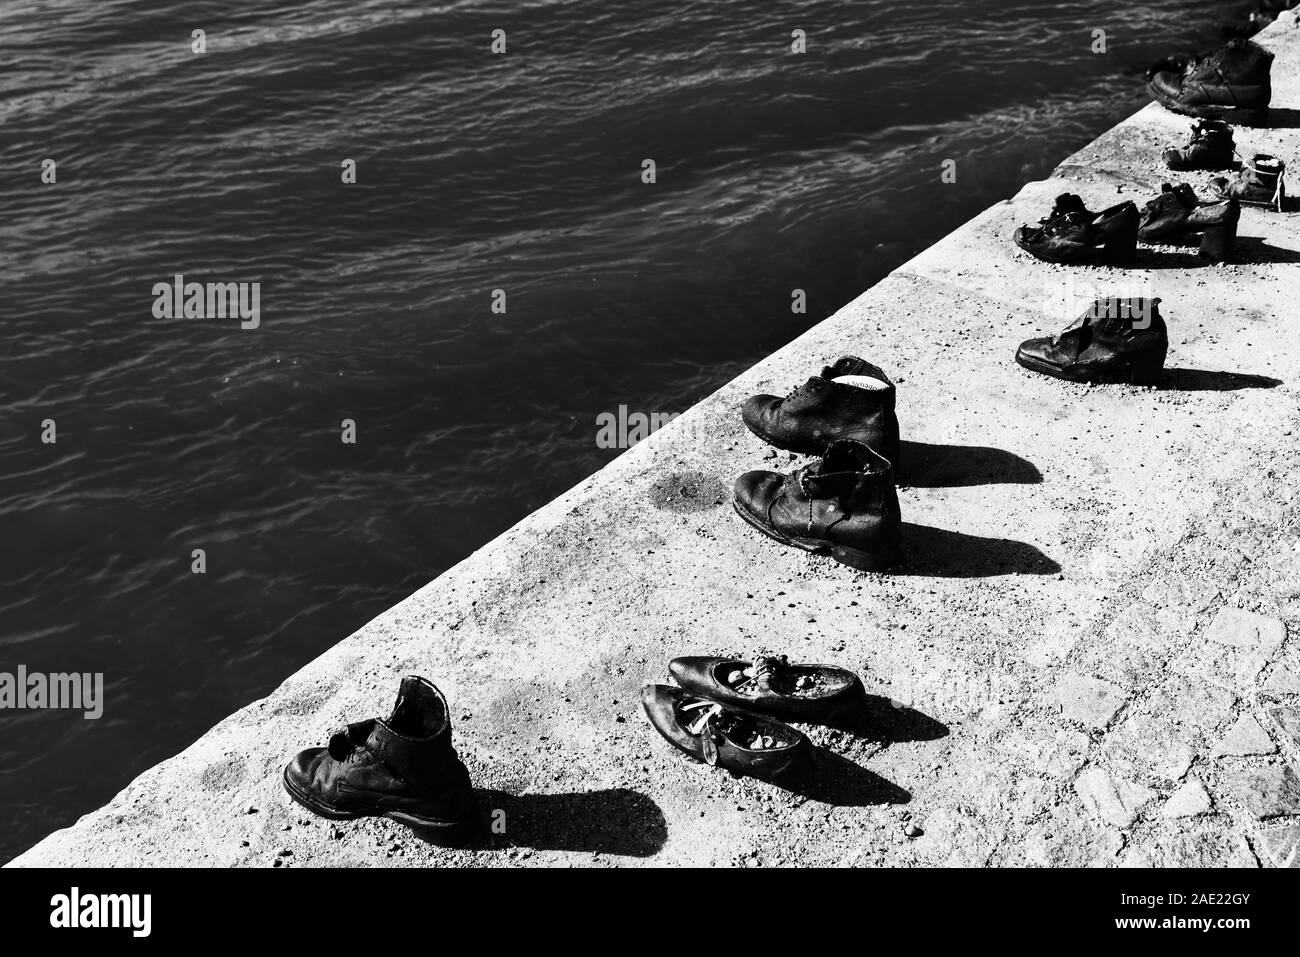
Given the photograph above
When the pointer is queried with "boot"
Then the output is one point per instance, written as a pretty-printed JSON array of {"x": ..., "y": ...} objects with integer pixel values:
[
  {"x": 844, "y": 504},
  {"x": 1261, "y": 182},
  {"x": 1211, "y": 147},
  {"x": 723, "y": 736},
  {"x": 1078, "y": 236},
  {"x": 771, "y": 685},
  {"x": 1232, "y": 84},
  {"x": 1115, "y": 340},
  {"x": 822, "y": 410},
  {"x": 404, "y": 768},
  {"x": 1177, "y": 216}
]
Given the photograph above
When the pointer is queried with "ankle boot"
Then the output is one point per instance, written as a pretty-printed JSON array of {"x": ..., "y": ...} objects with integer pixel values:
[
  {"x": 1115, "y": 340},
  {"x": 725, "y": 736},
  {"x": 771, "y": 685},
  {"x": 1260, "y": 182},
  {"x": 1232, "y": 84},
  {"x": 1211, "y": 147},
  {"x": 844, "y": 505},
  {"x": 404, "y": 768},
  {"x": 822, "y": 410},
  {"x": 1178, "y": 217},
  {"x": 1073, "y": 235}
]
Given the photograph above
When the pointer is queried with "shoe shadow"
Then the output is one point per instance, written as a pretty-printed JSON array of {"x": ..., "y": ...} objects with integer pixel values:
[
  {"x": 1250, "y": 251},
  {"x": 1253, "y": 251},
  {"x": 1283, "y": 118},
  {"x": 612, "y": 821},
  {"x": 925, "y": 465},
  {"x": 877, "y": 718},
  {"x": 1204, "y": 380},
  {"x": 941, "y": 553},
  {"x": 837, "y": 781}
]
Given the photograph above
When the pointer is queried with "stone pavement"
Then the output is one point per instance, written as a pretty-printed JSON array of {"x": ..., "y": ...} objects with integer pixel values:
[{"x": 1089, "y": 656}]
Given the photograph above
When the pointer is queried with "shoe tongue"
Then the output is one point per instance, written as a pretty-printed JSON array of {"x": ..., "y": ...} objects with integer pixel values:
[
  {"x": 1170, "y": 194},
  {"x": 420, "y": 711},
  {"x": 842, "y": 456},
  {"x": 342, "y": 743},
  {"x": 1068, "y": 203}
]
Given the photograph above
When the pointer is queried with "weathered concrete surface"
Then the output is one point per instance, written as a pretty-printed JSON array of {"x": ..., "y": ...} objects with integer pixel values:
[{"x": 1096, "y": 621}]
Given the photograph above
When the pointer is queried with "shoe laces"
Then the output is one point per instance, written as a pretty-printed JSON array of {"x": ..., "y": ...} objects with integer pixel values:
[
  {"x": 1279, "y": 171},
  {"x": 709, "y": 712},
  {"x": 763, "y": 666},
  {"x": 802, "y": 477}
]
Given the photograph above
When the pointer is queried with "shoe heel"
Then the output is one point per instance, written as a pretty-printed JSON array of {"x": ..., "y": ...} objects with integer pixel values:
[
  {"x": 1219, "y": 242},
  {"x": 1147, "y": 372},
  {"x": 861, "y": 560},
  {"x": 1121, "y": 251}
]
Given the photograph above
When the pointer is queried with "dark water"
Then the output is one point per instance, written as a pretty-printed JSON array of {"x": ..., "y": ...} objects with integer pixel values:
[{"x": 475, "y": 172}]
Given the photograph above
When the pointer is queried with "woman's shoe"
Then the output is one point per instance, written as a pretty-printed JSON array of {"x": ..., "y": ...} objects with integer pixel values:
[
  {"x": 771, "y": 685},
  {"x": 727, "y": 737},
  {"x": 1178, "y": 217},
  {"x": 1115, "y": 340},
  {"x": 1077, "y": 236}
]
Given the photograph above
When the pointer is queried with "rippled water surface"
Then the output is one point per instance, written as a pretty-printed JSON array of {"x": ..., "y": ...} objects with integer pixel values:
[{"x": 475, "y": 172}]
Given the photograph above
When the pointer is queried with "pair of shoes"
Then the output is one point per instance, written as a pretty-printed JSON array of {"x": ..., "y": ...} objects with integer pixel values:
[
  {"x": 728, "y": 713},
  {"x": 1071, "y": 233},
  {"x": 1232, "y": 84},
  {"x": 845, "y": 503},
  {"x": 1115, "y": 340},
  {"x": 403, "y": 767}
]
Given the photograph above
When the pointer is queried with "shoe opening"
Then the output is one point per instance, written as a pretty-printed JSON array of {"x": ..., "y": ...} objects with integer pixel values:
[{"x": 421, "y": 710}]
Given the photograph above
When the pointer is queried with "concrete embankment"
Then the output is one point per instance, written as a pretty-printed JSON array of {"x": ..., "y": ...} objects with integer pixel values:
[{"x": 1097, "y": 623}]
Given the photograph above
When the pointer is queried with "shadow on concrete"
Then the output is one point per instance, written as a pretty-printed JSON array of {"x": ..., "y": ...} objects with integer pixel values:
[
  {"x": 1251, "y": 250},
  {"x": 877, "y": 718},
  {"x": 840, "y": 782},
  {"x": 612, "y": 821},
  {"x": 1204, "y": 380},
  {"x": 944, "y": 554},
  {"x": 1283, "y": 118},
  {"x": 952, "y": 466}
]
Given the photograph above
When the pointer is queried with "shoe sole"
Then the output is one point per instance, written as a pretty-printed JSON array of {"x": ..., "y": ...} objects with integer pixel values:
[
  {"x": 853, "y": 557},
  {"x": 436, "y": 829},
  {"x": 1131, "y": 374},
  {"x": 1117, "y": 255},
  {"x": 1236, "y": 115}
]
